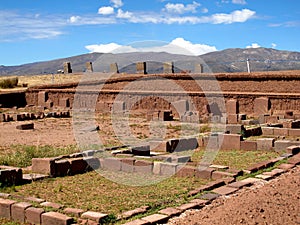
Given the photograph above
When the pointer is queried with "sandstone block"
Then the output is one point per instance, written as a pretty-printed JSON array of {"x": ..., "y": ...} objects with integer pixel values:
[
  {"x": 51, "y": 218},
  {"x": 34, "y": 215},
  {"x": 18, "y": 211}
]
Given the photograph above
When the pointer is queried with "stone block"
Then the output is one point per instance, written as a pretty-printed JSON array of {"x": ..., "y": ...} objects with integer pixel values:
[
  {"x": 283, "y": 144},
  {"x": 141, "y": 67},
  {"x": 249, "y": 145},
  {"x": 239, "y": 184},
  {"x": 268, "y": 130},
  {"x": 131, "y": 213},
  {"x": 141, "y": 166},
  {"x": 127, "y": 165},
  {"x": 62, "y": 168},
  {"x": 52, "y": 205},
  {"x": 265, "y": 143},
  {"x": 294, "y": 132},
  {"x": 5, "y": 208},
  {"x": 253, "y": 131},
  {"x": 73, "y": 212},
  {"x": 179, "y": 159},
  {"x": 170, "y": 211},
  {"x": 232, "y": 106},
  {"x": 67, "y": 68},
  {"x": 34, "y": 215},
  {"x": 25, "y": 126},
  {"x": 181, "y": 107},
  {"x": 230, "y": 141},
  {"x": 242, "y": 117},
  {"x": 78, "y": 166},
  {"x": 64, "y": 102},
  {"x": 156, "y": 218},
  {"x": 220, "y": 174},
  {"x": 234, "y": 128},
  {"x": 35, "y": 200},
  {"x": 185, "y": 171},
  {"x": 11, "y": 175},
  {"x": 49, "y": 104},
  {"x": 89, "y": 67},
  {"x": 51, "y": 218},
  {"x": 42, "y": 98},
  {"x": 168, "y": 67},
  {"x": 281, "y": 131},
  {"x": 141, "y": 150},
  {"x": 112, "y": 164},
  {"x": 272, "y": 119},
  {"x": 18, "y": 211},
  {"x": 232, "y": 118},
  {"x": 168, "y": 169},
  {"x": 199, "y": 68},
  {"x": 204, "y": 173},
  {"x": 118, "y": 106},
  {"x": 225, "y": 190},
  {"x": 294, "y": 149},
  {"x": 261, "y": 106},
  {"x": 93, "y": 163},
  {"x": 187, "y": 206},
  {"x": 137, "y": 222},
  {"x": 286, "y": 166},
  {"x": 94, "y": 216},
  {"x": 43, "y": 166},
  {"x": 295, "y": 160}
]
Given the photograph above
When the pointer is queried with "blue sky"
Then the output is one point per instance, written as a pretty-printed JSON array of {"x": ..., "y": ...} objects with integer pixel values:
[{"x": 38, "y": 30}]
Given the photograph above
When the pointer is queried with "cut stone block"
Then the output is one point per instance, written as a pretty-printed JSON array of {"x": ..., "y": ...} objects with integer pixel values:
[
  {"x": 42, "y": 98},
  {"x": 249, "y": 145},
  {"x": 34, "y": 215},
  {"x": 284, "y": 144},
  {"x": 27, "y": 126},
  {"x": 73, "y": 212},
  {"x": 118, "y": 106},
  {"x": 281, "y": 131},
  {"x": 51, "y": 218},
  {"x": 170, "y": 211},
  {"x": 268, "y": 130},
  {"x": 62, "y": 168},
  {"x": 141, "y": 150},
  {"x": 168, "y": 169},
  {"x": 156, "y": 218},
  {"x": 234, "y": 128},
  {"x": 112, "y": 164},
  {"x": 232, "y": 107},
  {"x": 225, "y": 190},
  {"x": 52, "y": 205},
  {"x": 185, "y": 171},
  {"x": 294, "y": 149},
  {"x": 5, "y": 208},
  {"x": 18, "y": 211},
  {"x": 294, "y": 132},
  {"x": 230, "y": 141},
  {"x": 141, "y": 67},
  {"x": 11, "y": 175},
  {"x": 239, "y": 184},
  {"x": 64, "y": 102},
  {"x": 131, "y": 213},
  {"x": 137, "y": 222},
  {"x": 261, "y": 106},
  {"x": 220, "y": 174},
  {"x": 204, "y": 174},
  {"x": 232, "y": 118},
  {"x": 181, "y": 107},
  {"x": 78, "y": 166},
  {"x": 43, "y": 166},
  {"x": 158, "y": 146},
  {"x": 95, "y": 216},
  {"x": 265, "y": 143},
  {"x": 127, "y": 165},
  {"x": 187, "y": 206}
]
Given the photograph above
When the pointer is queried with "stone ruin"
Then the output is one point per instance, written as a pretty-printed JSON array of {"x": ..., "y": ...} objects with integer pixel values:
[{"x": 67, "y": 68}]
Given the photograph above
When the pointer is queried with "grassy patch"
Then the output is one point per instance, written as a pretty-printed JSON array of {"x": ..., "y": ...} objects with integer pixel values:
[
  {"x": 22, "y": 154},
  {"x": 9, "y": 82},
  {"x": 91, "y": 191}
]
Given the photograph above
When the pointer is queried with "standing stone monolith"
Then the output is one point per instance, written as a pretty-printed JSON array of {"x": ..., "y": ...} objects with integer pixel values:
[
  {"x": 67, "y": 68},
  {"x": 141, "y": 68},
  {"x": 168, "y": 67},
  {"x": 114, "y": 68},
  {"x": 89, "y": 67},
  {"x": 198, "y": 68}
]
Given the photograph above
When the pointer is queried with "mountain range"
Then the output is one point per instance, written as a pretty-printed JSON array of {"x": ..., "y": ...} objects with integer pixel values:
[{"x": 228, "y": 60}]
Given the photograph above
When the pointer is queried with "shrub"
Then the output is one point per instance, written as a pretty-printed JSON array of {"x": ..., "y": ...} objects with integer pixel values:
[{"x": 9, "y": 83}]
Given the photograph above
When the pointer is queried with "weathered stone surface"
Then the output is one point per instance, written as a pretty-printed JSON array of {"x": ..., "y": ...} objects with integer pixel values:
[
  {"x": 137, "y": 222},
  {"x": 11, "y": 175},
  {"x": 232, "y": 118},
  {"x": 18, "y": 211},
  {"x": 131, "y": 213},
  {"x": 43, "y": 166},
  {"x": 265, "y": 143},
  {"x": 204, "y": 174},
  {"x": 55, "y": 218},
  {"x": 36, "y": 200},
  {"x": 294, "y": 132},
  {"x": 5, "y": 208},
  {"x": 156, "y": 218},
  {"x": 225, "y": 190},
  {"x": 249, "y": 145},
  {"x": 34, "y": 215},
  {"x": 181, "y": 107},
  {"x": 127, "y": 165},
  {"x": 112, "y": 164},
  {"x": 295, "y": 160},
  {"x": 170, "y": 211},
  {"x": 168, "y": 169},
  {"x": 281, "y": 131},
  {"x": 141, "y": 150},
  {"x": 168, "y": 67},
  {"x": 294, "y": 149},
  {"x": 286, "y": 166},
  {"x": 62, "y": 168},
  {"x": 232, "y": 106},
  {"x": 230, "y": 141},
  {"x": 52, "y": 205},
  {"x": 220, "y": 174},
  {"x": 234, "y": 128},
  {"x": 73, "y": 212},
  {"x": 261, "y": 106},
  {"x": 95, "y": 216},
  {"x": 239, "y": 184},
  {"x": 209, "y": 196},
  {"x": 78, "y": 166},
  {"x": 141, "y": 67},
  {"x": 141, "y": 166},
  {"x": 191, "y": 205}
]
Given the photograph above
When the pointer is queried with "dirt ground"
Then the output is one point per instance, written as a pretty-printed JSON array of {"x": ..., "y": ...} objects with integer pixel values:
[{"x": 275, "y": 202}]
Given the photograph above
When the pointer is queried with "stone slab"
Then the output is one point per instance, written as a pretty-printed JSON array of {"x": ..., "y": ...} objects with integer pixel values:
[
  {"x": 156, "y": 218},
  {"x": 95, "y": 216},
  {"x": 225, "y": 190},
  {"x": 170, "y": 211},
  {"x": 55, "y": 218},
  {"x": 5, "y": 208},
  {"x": 34, "y": 215}
]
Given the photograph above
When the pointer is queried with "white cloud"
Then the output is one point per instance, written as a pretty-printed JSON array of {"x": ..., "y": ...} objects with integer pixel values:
[
  {"x": 117, "y": 3},
  {"x": 106, "y": 10},
  {"x": 253, "y": 45},
  {"x": 181, "y": 8},
  {"x": 124, "y": 15},
  {"x": 176, "y": 46},
  {"x": 74, "y": 19},
  {"x": 274, "y": 45},
  {"x": 204, "y": 10},
  {"x": 240, "y": 2},
  {"x": 238, "y": 16}
]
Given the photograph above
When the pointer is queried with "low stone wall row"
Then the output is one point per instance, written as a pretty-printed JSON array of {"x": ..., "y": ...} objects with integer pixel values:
[{"x": 6, "y": 117}]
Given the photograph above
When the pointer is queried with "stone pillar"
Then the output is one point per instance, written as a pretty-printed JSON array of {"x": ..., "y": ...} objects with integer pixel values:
[
  {"x": 199, "y": 68},
  {"x": 168, "y": 67},
  {"x": 141, "y": 68},
  {"x": 67, "y": 68},
  {"x": 89, "y": 67},
  {"x": 42, "y": 98},
  {"x": 114, "y": 68},
  {"x": 232, "y": 106},
  {"x": 261, "y": 106}
]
